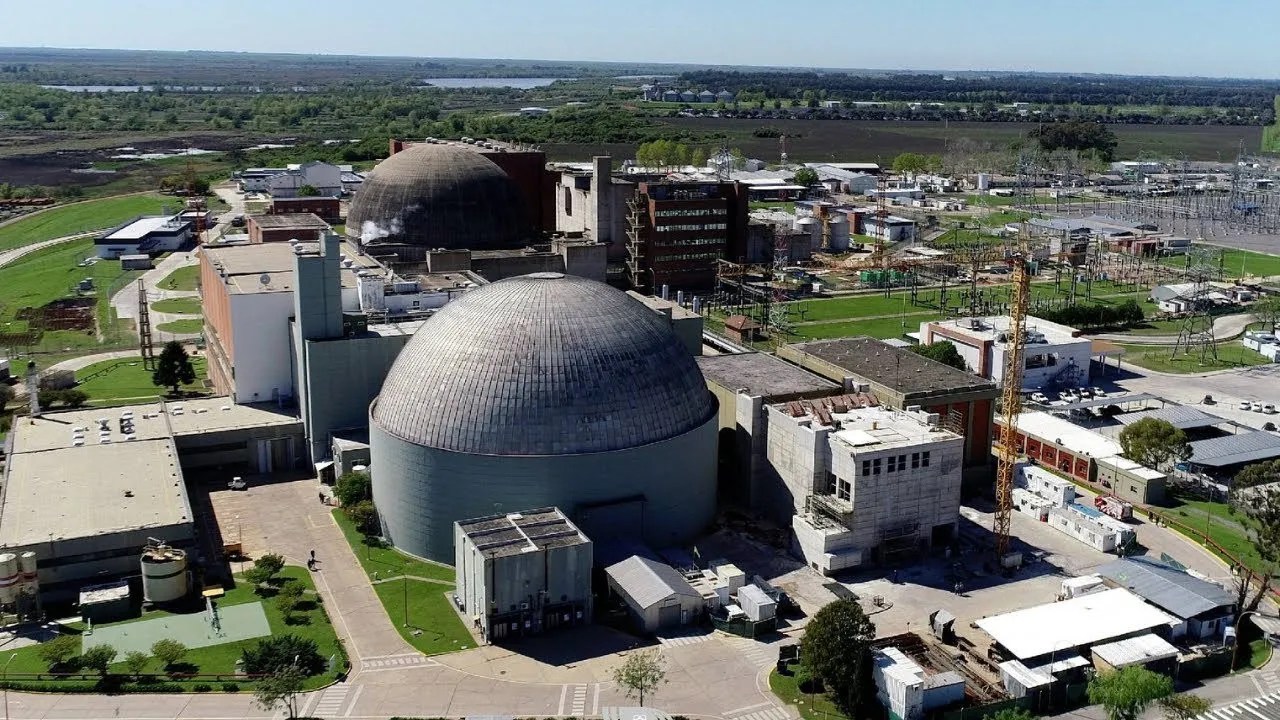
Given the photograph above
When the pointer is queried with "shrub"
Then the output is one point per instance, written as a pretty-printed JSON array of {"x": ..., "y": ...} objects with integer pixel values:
[
  {"x": 364, "y": 516},
  {"x": 230, "y": 687},
  {"x": 202, "y": 687},
  {"x": 353, "y": 487},
  {"x": 168, "y": 652},
  {"x": 59, "y": 650},
  {"x": 98, "y": 657},
  {"x": 273, "y": 653}
]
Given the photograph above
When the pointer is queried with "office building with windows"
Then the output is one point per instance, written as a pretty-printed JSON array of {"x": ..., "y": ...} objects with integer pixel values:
[{"x": 678, "y": 231}]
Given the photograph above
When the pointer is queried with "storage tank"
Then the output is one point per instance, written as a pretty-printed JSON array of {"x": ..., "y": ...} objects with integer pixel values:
[
  {"x": 164, "y": 574},
  {"x": 8, "y": 577},
  {"x": 812, "y": 227},
  {"x": 29, "y": 580},
  {"x": 838, "y": 227}
]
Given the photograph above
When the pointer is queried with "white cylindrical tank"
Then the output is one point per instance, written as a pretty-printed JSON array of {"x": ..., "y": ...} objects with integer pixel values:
[
  {"x": 30, "y": 579},
  {"x": 9, "y": 577},
  {"x": 838, "y": 227},
  {"x": 164, "y": 574}
]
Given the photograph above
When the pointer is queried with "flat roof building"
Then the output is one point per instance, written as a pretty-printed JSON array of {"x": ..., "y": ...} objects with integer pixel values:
[
  {"x": 1076, "y": 624},
  {"x": 144, "y": 236},
  {"x": 522, "y": 573},
  {"x": 901, "y": 378},
  {"x": 283, "y": 227},
  {"x": 1062, "y": 445},
  {"x": 1055, "y": 355}
]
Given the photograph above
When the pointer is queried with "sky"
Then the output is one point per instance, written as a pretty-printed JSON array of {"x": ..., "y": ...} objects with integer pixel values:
[{"x": 1214, "y": 38}]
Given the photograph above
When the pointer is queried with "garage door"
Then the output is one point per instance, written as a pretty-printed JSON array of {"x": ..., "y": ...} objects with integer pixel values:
[{"x": 669, "y": 616}]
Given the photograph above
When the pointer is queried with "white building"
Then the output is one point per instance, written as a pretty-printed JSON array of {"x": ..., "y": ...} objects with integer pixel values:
[
  {"x": 1065, "y": 628},
  {"x": 656, "y": 594},
  {"x": 285, "y": 182},
  {"x": 145, "y": 236},
  {"x": 866, "y": 483},
  {"x": 893, "y": 229},
  {"x": 1055, "y": 354},
  {"x": 906, "y": 690}
]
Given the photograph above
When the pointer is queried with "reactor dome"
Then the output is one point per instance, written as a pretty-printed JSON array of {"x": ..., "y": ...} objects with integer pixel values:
[
  {"x": 439, "y": 196},
  {"x": 544, "y": 390}
]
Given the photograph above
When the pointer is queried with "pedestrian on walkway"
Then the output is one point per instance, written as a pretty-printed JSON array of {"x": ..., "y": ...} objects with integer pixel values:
[{"x": 313, "y": 556}]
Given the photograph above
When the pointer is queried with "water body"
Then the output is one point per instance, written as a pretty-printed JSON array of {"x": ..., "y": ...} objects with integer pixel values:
[
  {"x": 132, "y": 88},
  {"x": 128, "y": 153},
  {"x": 490, "y": 82}
]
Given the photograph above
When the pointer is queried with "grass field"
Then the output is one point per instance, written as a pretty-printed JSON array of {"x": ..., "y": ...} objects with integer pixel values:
[
  {"x": 310, "y": 621},
  {"x": 1213, "y": 519},
  {"x": 811, "y": 707},
  {"x": 50, "y": 274},
  {"x": 113, "y": 381},
  {"x": 431, "y": 625},
  {"x": 184, "y": 306},
  {"x": 186, "y": 277},
  {"x": 387, "y": 562},
  {"x": 1155, "y": 357},
  {"x": 81, "y": 217},
  {"x": 882, "y": 328},
  {"x": 1237, "y": 263},
  {"x": 181, "y": 327},
  {"x": 1271, "y": 133}
]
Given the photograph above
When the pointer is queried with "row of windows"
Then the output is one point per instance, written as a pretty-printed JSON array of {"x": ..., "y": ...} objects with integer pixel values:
[
  {"x": 685, "y": 228},
  {"x": 691, "y": 241},
  {"x": 690, "y": 256},
  {"x": 691, "y": 212},
  {"x": 896, "y": 463}
]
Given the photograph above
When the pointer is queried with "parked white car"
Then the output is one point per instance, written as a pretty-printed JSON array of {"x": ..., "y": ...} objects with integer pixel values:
[
  {"x": 1040, "y": 398},
  {"x": 1257, "y": 406},
  {"x": 1246, "y": 405},
  {"x": 1269, "y": 409}
]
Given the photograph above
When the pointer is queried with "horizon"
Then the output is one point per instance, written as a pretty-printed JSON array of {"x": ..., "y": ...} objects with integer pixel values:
[{"x": 1090, "y": 37}]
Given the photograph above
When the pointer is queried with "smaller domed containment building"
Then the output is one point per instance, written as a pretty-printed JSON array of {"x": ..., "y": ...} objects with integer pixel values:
[
  {"x": 544, "y": 390},
  {"x": 432, "y": 196}
]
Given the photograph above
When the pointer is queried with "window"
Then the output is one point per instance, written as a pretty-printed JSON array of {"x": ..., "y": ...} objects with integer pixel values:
[
  {"x": 843, "y": 489},
  {"x": 902, "y": 462},
  {"x": 1133, "y": 489},
  {"x": 568, "y": 202},
  {"x": 893, "y": 464},
  {"x": 866, "y": 467},
  {"x": 875, "y": 466},
  {"x": 915, "y": 460},
  {"x": 924, "y": 459}
]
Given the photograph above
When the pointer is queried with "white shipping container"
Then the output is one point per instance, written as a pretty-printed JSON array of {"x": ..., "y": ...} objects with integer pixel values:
[{"x": 756, "y": 604}]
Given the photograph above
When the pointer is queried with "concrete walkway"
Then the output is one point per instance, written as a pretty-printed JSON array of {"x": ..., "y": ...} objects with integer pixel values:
[{"x": 1225, "y": 327}]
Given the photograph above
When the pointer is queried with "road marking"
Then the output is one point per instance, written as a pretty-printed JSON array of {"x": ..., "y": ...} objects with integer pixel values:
[
  {"x": 773, "y": 713},
  {"x": 331, "y": 700},
  {"x": 564, "y": 692},
  {"x": 595, "y": 701},
  {"x": 354, "y": 699},
  {"x": 579, "y": 706},
  {"x": 731, "y": 713}
]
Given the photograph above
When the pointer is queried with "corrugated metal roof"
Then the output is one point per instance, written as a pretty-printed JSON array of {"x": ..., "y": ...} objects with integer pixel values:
[
  {"x": 648, "y": 581},
  {"x": 1134, "y": 651},
  {"x": 1235, "y": 449},
  {"x": 1266, "y": 707},
  {"x": 1166, "y": 587},
  {"x": 1182, "y": 417}
]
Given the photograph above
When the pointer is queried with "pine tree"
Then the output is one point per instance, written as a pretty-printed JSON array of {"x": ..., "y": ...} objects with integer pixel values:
[{"x": 173, "y": 368}]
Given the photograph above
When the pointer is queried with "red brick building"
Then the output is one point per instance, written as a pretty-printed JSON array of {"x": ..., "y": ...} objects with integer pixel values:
[
  {"x": 283, "y": 228},
  {"x": 678, "y": 231},
  {"x": 325, "y": 208}
]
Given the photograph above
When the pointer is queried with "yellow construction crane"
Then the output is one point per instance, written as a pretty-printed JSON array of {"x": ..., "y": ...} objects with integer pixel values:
[{"x": 1011, "y": 399}]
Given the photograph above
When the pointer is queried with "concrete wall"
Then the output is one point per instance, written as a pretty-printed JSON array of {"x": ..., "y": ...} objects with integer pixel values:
[
  {"x": 422, "y": 491},
  {"x": 502, "y": 585},
  {"x": 65, "y": 566},
  {"x": 341, "y": 377},
  {"x": 261, "y": 360},
  {"x": 801, "y": 458}
]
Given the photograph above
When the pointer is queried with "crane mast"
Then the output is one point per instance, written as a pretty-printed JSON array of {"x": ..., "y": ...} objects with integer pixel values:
[{"x": 1011, "y": 398}]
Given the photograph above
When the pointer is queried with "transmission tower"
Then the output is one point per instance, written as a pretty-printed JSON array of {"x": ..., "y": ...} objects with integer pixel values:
[
  {"x": 1195, "y": 337},
  {"x": 779, "y": 312},
  {"x": 144, "y": 329}
]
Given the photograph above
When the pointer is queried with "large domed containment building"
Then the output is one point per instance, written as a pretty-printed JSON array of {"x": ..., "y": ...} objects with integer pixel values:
[
  {"x": 432, "y": 196},
  {"x": 544, "y": 390}
]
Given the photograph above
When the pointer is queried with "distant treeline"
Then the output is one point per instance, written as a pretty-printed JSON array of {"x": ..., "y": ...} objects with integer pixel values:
[{"x": 1040, "y": 89}]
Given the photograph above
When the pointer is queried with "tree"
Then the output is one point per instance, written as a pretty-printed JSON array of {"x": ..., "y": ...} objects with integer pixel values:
[
  {"x": 353, "y": 487},
  {"x": 1184, "y": 706},
  {"x": 1011, "y": 713},
  {"x": 59, "y": 650},
  {"x": 168, "y": 652},
  {"x": 910, "y": 163},
  {"x": 98, "y": 657},
  {"x": 282, "y": 689},
  {"x": 280, "y": 651},
  {"x": 135, "y": 661},
  {"x": 264, "y": 569},
  {"x": 1154, "y": 443},
  {"x": 308, "y": 191},
  {"x": 1267, "y": 311},
  {"x": 288, "y": 599},
  {"x": 806, "y": 176},
  {"x": 944, "y": 352},
  {"x": 173, "y": 368},
  {"x": 1253, "y": 583},
  {"x": 1256, "y": 474},
  {"x": 642, "y": 672},
  {"x": 698, "y": 158},
  {"x": 835, "y": 647},
  {"x": 1127, "y": 692},
  {"x": 364, "y": 515},
  {"x": 1080, "y": 135}
]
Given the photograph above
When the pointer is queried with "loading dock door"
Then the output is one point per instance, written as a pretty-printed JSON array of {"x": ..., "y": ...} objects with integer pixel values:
[{"x": 669, "y": 616}]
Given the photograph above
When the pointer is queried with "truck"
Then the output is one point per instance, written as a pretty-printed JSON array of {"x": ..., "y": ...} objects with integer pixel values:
[{"x": 1114, "y": 506}]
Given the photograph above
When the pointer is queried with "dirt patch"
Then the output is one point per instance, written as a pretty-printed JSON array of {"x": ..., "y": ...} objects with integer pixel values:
[{"x": 64, "y": 314}]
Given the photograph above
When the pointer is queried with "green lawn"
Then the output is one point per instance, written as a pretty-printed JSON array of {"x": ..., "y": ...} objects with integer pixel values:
[
  {"x": 1236, "y": 263},
  {"x": 1155, "y": 357},
  {"x": 126, "y": 380},
  {"x": 387, "y": 562},
  {"x": 50, "y": 274},
  {"x": 772, "y": 205},
  {"x": 186, "y": 277},
  {"x": 182, "y": 326},
  {"x": 186, "y": 306},
  {"x": 812, "y": 707},
  {"x": 882, "y": 328},
  {"x": 310, "y": 621},
  {"x": 433, "y": 625},
  {"x": 82, "y": 218},
  {"x": 1213, "y": 519}
]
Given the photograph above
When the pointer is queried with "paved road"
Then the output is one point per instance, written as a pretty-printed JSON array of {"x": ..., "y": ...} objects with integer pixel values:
[
  {"x": 10, "y": 256},
  {"x": 1226, "y": 327}
]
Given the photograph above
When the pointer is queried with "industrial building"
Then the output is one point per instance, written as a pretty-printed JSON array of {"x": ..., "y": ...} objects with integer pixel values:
[
  {"x": 1203, "y": 609},
  {"x": 1062, "y": 445},
  {"x": 522, "y": 573},
  {"x": 677, "y": 231},
  {"x": 526, "y": 393},
  {"x": 900, "y": 379},
  {"x": 744, "y": 385},
  {"x": 907, "y": 690},
  {"x": 592, "y": 202},
  {"x": 285, "y": 182},
  {"x": 862, "y": 484},
  {"x": 281, "y": 228},
  {"x": 1130, "y": 480},
  {"x": 1222, "y": 457},
  {"x": 86, "y": 489},
  {"x": 1055, "y": 354},
  {"x": 328, "y": 209},
  {"x": 144, "y": 236},
  {"x": 656, "y": 595}
]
